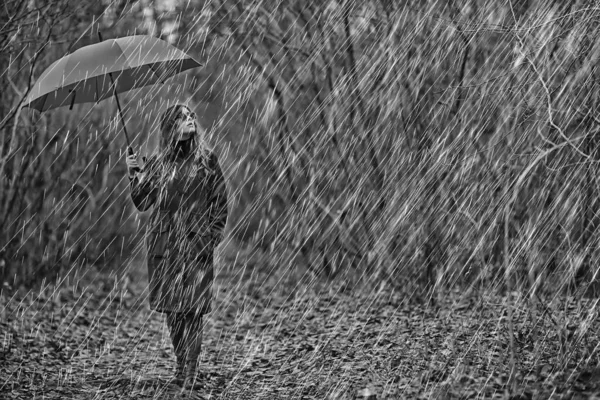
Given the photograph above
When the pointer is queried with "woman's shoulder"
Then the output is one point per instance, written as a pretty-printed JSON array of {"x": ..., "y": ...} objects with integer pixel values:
[{"x": 209, "y": 156}]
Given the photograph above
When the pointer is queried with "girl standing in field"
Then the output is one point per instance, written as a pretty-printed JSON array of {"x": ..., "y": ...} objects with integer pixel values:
[{"x": 184, "y": 184}]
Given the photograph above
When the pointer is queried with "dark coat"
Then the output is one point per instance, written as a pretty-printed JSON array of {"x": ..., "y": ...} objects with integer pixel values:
[{"x": 187, "y": 223}]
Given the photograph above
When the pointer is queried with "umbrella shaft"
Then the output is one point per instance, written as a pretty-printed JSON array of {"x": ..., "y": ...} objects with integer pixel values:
[
  {"x": 120, "y": 111},
  {"x": 118, "y": 103}
]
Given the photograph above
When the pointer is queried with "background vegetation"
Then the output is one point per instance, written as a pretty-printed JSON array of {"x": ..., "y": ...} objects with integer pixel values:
[{"x": 432, "y": 144}]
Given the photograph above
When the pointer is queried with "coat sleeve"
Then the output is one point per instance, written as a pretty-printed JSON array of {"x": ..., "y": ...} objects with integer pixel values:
[
  {"x": 217, "y": 201},
  {"x": 144, "y": 190}
]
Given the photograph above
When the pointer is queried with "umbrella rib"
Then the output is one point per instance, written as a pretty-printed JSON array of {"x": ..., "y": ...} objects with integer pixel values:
[
  {"x": 44, "y": 102},
  {"x": 159, "y": 78},
  {"x": 73, "y": 99}
]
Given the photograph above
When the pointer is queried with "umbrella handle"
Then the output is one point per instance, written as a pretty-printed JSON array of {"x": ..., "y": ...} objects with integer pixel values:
[{"x": 130, "y": 153}]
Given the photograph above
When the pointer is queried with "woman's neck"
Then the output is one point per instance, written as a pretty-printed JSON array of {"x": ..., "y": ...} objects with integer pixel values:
[{"x": 183, "y": 148}]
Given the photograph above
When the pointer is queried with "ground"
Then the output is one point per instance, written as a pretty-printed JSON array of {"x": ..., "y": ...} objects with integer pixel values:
[{"x": 281, "y": 334}]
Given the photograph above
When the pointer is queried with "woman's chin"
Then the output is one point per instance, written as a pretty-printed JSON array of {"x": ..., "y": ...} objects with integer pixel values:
[{"x": 186, "y": 136}]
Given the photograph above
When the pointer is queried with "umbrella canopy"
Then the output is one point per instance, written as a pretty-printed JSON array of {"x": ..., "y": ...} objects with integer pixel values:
[{"x": 87, "y": 75}]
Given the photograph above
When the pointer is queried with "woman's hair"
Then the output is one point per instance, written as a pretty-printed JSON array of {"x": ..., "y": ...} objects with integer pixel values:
[{"x": 168, "y": 123}]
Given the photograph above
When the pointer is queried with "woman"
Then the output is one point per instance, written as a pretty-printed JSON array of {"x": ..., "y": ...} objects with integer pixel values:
[{"x": 185, "y": 185}]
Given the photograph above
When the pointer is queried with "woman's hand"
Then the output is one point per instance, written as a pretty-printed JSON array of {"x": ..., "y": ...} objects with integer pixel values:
[{"x": 132, "y": 165}]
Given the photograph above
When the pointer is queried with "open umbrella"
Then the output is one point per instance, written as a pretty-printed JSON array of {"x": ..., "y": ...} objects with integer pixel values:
[{"x": 98, "y": 71}]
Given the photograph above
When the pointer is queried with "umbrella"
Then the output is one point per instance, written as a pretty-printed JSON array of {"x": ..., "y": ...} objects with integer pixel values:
[{"x": 101, "y": 70}]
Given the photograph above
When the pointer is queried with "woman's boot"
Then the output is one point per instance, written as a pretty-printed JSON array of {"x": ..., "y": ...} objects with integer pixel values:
[
  {"x": 193, "y": 379},
  {"x": 179, "y": 377},
  {"x": 176, "y": 323}
]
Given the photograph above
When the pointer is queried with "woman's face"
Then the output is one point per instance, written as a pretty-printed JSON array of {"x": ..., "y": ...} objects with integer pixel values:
[{"x": 187, "y": 125}]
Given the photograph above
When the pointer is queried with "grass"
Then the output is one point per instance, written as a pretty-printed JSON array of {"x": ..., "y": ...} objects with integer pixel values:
[{"x": 276, "y": 334}]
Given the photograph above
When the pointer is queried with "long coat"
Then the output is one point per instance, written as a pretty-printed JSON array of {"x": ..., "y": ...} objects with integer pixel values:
[{"x": 187, "y": 223}]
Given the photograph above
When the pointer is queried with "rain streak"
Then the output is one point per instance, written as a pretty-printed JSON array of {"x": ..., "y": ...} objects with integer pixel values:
[{"x": 256, "y": 199}]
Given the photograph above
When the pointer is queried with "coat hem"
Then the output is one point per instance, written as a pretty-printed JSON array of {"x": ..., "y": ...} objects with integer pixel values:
[{"x": 204, "y": 310}]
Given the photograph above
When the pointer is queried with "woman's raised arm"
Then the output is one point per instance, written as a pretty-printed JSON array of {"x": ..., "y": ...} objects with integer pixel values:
[{"x": 144, "y": 188}]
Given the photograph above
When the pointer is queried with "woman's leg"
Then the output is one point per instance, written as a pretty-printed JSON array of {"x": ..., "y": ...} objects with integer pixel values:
[
  {"x": 193, "y": 340},
  {"x": 176, "y": 322}
]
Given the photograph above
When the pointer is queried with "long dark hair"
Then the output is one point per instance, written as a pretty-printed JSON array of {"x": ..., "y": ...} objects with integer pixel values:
[{"x": 168, "y": 122}]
